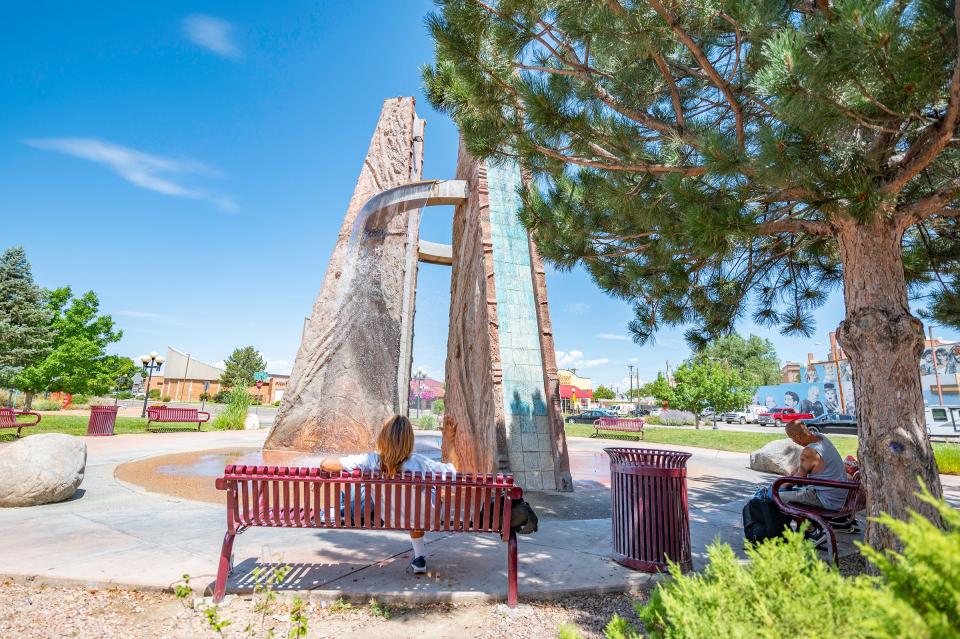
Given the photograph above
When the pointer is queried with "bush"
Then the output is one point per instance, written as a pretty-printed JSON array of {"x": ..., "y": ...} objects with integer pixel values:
[
  {"x": 276, "y": 403},
  {"x": 234, "y": 415},
  {"x": 221, "y": 397},
  {"x": 204, "y": 397},
  {"x": 437, "y": 406},
  {"x": 677, "y": 418},
  {"x": 787, "y": 591},
  {"x": 426, "y": 422},
  {"x": 124, "y": 395},
  {"x": 45, "y": 404},
  {"x": 652, "y": 420},
  {"x": 154, "y": 393},
  {"x": 165, "y": 399}
]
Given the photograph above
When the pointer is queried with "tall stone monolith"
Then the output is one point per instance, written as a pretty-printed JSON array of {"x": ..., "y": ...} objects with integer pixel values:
[{"x": 352, "y": 369}]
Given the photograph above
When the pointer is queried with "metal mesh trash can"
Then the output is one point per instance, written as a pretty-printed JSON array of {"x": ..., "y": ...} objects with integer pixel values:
[
  {"x": 648, "y": 493},
  {"x": 102, "y": 420}
]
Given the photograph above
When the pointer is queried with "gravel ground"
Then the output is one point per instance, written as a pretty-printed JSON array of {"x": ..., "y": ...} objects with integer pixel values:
[{"x": 29, "y": 611}]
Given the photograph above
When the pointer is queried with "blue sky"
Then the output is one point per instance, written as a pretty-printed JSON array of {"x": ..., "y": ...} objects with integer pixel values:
[{"x": 191, "y": 163}]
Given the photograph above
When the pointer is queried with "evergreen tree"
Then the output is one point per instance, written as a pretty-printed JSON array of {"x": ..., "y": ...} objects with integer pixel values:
[
  {"x": 240, "y": 367},
  {"x": 754, "y": 358},
  {"x": 716, "y": 159},
  {"x": 78, "y": 362},
  {"x": 25, "y": 332}
]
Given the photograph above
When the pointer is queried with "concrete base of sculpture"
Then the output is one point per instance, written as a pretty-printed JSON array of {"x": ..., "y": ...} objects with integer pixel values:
[
  {"x": 41, "y": 469},
  {"x": 781, "y": 457}
]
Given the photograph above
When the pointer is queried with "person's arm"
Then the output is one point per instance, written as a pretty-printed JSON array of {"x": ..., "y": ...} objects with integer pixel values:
[{"x": 809, "y": 459}]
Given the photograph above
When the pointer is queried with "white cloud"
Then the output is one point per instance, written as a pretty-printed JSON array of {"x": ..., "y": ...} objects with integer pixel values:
[
  {"x": 574, "y": 359},
  {"x": 213, "y": 34},
  {"x": 151, "y": 172},
  {"x": 578, "y": 308},
  {"x": 278, "y": 366},
  {"x": 612, "y": 336}
]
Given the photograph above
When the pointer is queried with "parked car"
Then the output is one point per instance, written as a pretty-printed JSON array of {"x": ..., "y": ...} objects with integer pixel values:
[
  {"x": 587, "y": 416},
  {"x": 737, "y": 417},
  {"x": 780, "y": 416},
  {"x": 942, "y": 421},
  {"x": 834, "y": 423},
  {"x": 639, "y": 412}
]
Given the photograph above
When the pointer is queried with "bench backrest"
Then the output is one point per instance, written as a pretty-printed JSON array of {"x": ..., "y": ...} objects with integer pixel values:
[
  {"x": 172, "y": 414},
  {"x": 8, "y": 416},
  {"x": 311, "y": 498},
  {"x": 619, "y": 421}
]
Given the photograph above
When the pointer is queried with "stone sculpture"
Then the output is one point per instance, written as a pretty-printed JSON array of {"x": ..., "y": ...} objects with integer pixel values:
[{"x": 41, "y": 469}]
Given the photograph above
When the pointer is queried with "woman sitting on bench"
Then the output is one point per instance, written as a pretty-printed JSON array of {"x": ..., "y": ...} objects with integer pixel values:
[{"x": 394, "y": 455}]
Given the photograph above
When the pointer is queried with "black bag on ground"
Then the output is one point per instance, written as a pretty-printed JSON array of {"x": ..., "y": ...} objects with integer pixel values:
[{"x": 763, "y": 520}]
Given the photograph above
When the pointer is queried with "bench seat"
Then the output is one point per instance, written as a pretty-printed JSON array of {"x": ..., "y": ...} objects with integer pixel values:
[
  {"x": 167, "y": 415},
  {"x": 855, "y": 502},
  {"x": 299, "y": 497},
  {"x": 8, "y": 419}
]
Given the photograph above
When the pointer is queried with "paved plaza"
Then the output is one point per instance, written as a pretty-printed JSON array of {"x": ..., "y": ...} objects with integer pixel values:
[{"x": 116, "y": 533}]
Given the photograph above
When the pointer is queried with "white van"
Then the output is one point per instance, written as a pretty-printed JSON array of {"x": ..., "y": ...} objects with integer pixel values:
[{"x": 942, "y": 421}]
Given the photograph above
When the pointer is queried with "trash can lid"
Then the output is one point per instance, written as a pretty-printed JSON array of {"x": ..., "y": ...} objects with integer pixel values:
[{"x": 649, "y": 457}]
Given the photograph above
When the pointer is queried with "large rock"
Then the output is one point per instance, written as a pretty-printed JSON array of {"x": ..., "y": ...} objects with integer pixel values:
[
  {"x": 781, "y": 457},
  {"x": 41, "y": 469}
]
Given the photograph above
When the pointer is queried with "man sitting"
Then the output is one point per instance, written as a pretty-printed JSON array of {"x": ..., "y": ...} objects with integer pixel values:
[{"x": 818, "y": 460}]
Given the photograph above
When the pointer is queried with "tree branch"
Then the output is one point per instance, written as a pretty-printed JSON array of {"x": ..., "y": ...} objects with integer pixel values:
[
  {"x": 793, "y": 225},
  {"x": 935, "y": 203},
  {"x": 935, "y": 137}
]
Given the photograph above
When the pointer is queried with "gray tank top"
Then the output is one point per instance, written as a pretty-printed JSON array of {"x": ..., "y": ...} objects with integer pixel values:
[{"x": 832, "y": 470}]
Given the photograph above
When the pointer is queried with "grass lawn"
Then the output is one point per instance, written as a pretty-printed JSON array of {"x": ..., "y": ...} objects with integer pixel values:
[
  {"x": 77, "y": 425},
  {"x": 948, "y": 455}
]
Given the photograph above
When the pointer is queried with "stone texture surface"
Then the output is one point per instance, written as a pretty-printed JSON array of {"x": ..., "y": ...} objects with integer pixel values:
[
  {"x": 351, "y": 370},
  {"x": 500, "y": 360},
  {"x": 781, "y": 457},
  {"x": 41, "y": 469}
]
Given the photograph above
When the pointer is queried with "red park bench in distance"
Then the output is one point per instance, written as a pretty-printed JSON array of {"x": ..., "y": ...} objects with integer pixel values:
[
  {"x": 297, "y": 497},
  {"x": 8, "y": 419},
  {"x": 620, "y": 424},
  {"x": 165, "y": 415}
]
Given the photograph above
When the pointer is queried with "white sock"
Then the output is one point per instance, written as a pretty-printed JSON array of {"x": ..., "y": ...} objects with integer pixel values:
[{"x": 418, "y": 547}]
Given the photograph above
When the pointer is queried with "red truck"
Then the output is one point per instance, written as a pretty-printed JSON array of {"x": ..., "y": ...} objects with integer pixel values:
[{"x": 780, "y": 416}]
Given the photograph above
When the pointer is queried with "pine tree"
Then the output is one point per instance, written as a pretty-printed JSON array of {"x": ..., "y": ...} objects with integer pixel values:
[
  {"x": 719, "y": 159},
  {"x": 240, "y": 367},
  {"x": 25, "y": 331}
]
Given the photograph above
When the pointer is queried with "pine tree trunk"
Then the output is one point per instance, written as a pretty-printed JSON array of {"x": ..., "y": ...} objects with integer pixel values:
[{"x": 884, "y": 342}]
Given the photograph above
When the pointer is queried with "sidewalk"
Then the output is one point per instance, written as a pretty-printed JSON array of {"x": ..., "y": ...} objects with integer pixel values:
[{"x": 117, "y": 534}]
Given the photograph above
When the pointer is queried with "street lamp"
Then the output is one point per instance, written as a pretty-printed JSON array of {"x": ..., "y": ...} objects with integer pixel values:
[
  {"x": 419, "y": 376},
  {"x": 151, "y": 362}
]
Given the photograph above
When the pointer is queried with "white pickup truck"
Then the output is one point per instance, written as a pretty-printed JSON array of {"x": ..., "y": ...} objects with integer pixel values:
[{"x": 747, "y": 415}]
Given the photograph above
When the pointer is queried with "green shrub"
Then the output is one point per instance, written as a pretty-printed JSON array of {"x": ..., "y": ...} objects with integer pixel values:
[
  {"x": 221, "y": 397},
  {"x": 165, "y": 399},
  {"x": 124, "y": 395},
  {"x": 926, "y": 574},
  {"x": 437, "y": 406},
  {"x": 426, "y": 422},
  {"x": 652, "y": 420},
  {"x": 235, "y": 414},
  {"x": 45, "y": 404},
  {"x": 154, "y": 393},
  {"x": 276, "y": 403}
]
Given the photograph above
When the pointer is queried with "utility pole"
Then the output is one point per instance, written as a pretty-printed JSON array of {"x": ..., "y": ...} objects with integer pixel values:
[{"x": 631, "y": 383}]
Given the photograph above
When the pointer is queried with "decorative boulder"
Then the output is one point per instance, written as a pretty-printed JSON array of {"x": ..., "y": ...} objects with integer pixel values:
[
  {"x": 252, "y": 422},
  {"x": 41, "y": 469},
  {"x": 781, "y": 457}
]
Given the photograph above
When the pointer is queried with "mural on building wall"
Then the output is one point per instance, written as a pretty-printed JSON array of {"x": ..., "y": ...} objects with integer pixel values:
[{"x": 827, "y": 387}]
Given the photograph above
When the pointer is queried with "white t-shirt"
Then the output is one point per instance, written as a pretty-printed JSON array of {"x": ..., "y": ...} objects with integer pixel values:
[{"x": 416, "y": 464}]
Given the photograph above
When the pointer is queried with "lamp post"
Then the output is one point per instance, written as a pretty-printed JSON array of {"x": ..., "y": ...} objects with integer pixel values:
[
  {"x": 151, "y": 362},
  {"x": 419, "y": 376}
]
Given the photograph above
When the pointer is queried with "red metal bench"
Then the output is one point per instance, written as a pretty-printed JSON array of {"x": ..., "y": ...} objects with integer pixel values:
[
  {"x": 8, "y": 419},
  {"x": 167, "y": 415},
  {"x": 855, "y": 502},
  {"x": 621, "y": 424},
  {"x": 296, "y": 497}
]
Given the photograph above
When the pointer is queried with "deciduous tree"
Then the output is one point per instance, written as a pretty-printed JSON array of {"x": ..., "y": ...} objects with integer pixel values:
[
  {"x": 754, "y": 358},
  {"x": 719, "y": 159},
  {"x": 603, "y": 392}
]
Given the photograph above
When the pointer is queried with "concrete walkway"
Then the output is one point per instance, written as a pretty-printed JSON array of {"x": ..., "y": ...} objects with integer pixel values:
[{"x": 116, "y": 534}]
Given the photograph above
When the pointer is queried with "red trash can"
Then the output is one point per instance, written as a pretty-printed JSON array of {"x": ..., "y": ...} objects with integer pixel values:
[
  {"x": 651, "y": 521},
  {"x": 102, "y": 420}
]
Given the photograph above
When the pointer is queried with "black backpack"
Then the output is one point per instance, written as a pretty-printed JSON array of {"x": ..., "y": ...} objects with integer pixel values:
[{"x": 763, "y": 520}]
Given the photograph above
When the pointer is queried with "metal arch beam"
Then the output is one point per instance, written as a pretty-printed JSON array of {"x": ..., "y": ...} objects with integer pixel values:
[{"x": 381, "y": 207}]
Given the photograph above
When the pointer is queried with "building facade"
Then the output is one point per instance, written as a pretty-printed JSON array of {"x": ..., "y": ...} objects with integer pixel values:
[
  {"x": 186, "y": 379},
  {"x": 576, "y": 392}
]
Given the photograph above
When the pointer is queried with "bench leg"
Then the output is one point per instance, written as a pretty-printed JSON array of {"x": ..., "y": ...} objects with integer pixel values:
[
  {"x": 224, "y": 570},
  {"x": 512, "y": 570}
]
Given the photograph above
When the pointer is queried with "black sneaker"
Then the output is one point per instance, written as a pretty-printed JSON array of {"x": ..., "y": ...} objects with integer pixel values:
[
  {"x": 818, "y": 537},
  {"x": 419, "y": 565},
  {"x": 849, "y": 526}
]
